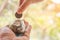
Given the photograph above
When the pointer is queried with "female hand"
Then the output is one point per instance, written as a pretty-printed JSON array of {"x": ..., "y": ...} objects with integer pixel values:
[{"x": 8, "y": 34}]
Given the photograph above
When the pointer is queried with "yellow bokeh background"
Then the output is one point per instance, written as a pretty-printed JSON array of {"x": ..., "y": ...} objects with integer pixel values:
[{"x": 44, "y": 18}]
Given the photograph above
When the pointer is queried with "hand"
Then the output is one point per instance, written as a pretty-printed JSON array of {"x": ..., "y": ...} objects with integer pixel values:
[
  {"x": 8, "y": 34},
  {"x": 23, "y": 4},
  {"x": 26, "y": 35}
]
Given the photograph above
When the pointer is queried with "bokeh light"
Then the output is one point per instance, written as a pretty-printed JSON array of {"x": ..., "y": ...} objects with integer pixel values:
[{"x": 44, "y": 18}]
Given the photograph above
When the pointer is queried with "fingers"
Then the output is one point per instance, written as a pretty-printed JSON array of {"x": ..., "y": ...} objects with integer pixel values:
[
  {"x": 21, "y": 1},
  {"x": 28, "y": 30},
  {"x": 26, "y": 34},
  {"x": 21, "y": 38},
  {"x": 6, "y": 34},
  {"x": 23, "y": 6}
]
